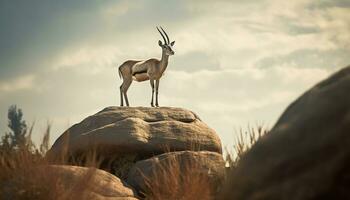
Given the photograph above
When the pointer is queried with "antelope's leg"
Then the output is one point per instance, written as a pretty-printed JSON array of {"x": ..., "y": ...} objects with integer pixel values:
[
  {"x": 157, "y": 86},
  {"x": 126, "y": 85},
  {"x": 121, "y": 94},
  {"x": 152, "y": 85}
]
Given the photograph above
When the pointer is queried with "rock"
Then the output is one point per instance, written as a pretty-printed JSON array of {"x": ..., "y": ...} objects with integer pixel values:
[
  {"x": 99, "y": 184},
  {"x": 307, "y": 153},
  {"x": 68, "y": 182},
  {"x": 137, "y": 131},
  {"x": 166, "y": 170}
]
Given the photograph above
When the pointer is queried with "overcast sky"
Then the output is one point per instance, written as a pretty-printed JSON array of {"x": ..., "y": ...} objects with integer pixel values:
[{"x": 236, "y": 62}]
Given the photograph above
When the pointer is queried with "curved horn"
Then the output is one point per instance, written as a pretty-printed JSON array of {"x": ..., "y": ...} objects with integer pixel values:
[
  {"x": 166, "y": 35},
  {"x": 161, "y": 35}
]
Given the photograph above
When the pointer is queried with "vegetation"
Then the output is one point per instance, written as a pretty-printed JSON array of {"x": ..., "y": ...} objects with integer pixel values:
[
  {"x": 16, "y": 138},
  {"x": 176, "y": 181},
  {"x": 19, "y": 157},
  {"x": 244, "y": 141}
]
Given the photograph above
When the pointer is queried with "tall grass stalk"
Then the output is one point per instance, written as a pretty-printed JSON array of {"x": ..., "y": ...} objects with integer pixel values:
[
  {"x": 178, "y": 180},
  {"x": 245, "y": 139}
]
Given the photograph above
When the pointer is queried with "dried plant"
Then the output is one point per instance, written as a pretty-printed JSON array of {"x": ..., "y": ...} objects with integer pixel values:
[
  {"x": 244, "y": 141},
  {"x": 175, "y": 179}
]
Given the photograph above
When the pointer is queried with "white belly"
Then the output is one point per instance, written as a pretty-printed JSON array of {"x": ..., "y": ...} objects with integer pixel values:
[{"x": 141, "y": 77}]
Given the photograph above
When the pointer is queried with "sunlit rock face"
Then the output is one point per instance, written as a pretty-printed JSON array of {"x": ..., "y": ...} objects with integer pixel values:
[
  {"x": 138, "y": 131},
  {"x": 307, "y": 153}
]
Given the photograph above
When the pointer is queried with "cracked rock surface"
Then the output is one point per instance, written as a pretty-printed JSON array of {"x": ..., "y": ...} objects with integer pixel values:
[{"x": 140, "y": 131}]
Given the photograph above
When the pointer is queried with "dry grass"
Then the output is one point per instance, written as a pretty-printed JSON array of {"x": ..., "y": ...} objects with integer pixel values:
[
  {"x": 180, "y": 181},
  {"x": 244, "y": 141},
  {"x": 26, "y": 174}
]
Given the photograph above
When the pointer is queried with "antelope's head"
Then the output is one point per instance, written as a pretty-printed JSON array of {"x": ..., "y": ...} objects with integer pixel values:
[{"x": 167, "y": 46}]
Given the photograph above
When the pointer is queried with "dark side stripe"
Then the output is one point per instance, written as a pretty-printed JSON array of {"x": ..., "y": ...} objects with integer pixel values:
[{"x": 140, "y": 72}]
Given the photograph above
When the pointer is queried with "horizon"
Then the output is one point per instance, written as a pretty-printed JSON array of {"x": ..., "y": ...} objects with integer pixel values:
[{"x": 242, "y": 65}]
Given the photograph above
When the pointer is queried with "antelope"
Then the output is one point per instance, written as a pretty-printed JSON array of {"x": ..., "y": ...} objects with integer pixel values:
[{"x": 143, "y": 70}]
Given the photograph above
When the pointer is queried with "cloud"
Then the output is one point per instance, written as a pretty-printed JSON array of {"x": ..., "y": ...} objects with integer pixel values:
[
  {"x": 239, "y": 86},
  {"x": 88, "y": 60},
  {"x": 329, "y": 4},
  {"x": 307, "y": 58},
  {"x": 21, "y": 83},
  {"x": 195, "y": 61},
  {"x": 142, "y": 13}
]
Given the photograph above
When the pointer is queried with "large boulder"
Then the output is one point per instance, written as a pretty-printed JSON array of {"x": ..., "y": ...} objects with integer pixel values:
[
  {"x": 92, "y": 183},
  {"x": 174, "y": 174},
  {"x": 307, "y": 153},
  {"x": 137, "y": 131}
]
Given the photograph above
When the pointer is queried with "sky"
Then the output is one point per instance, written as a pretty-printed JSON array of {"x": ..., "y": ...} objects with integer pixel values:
[{"x": 236, "y": 63}]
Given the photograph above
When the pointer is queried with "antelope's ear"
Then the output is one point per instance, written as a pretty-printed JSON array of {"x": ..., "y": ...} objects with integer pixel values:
[
  {"x": 172, "y": 43},
  {"x": 160, "y": 43}
]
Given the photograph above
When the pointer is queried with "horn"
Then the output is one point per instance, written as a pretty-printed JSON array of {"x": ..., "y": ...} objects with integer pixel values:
[
  {"x": 166, "y": 35},
  {"x": 161, "y": 35}
]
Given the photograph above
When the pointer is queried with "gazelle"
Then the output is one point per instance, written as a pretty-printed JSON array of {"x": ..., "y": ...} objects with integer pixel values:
[{"x": 143, "y": 70}]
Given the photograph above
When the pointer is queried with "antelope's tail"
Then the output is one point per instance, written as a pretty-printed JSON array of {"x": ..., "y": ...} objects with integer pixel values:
[{"x": 120, "y": 73}]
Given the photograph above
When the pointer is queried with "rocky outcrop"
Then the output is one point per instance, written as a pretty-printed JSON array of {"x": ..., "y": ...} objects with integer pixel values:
[
  {"x": 164, "y": 169},
  {"x": 138, "y": 131},
  {"x": 307, "y": 153},
  {"x": 163, "y": 140}
]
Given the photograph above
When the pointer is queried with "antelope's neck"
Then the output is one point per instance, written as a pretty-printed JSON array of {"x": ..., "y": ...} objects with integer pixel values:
[{"x": 164, "y": 62}]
